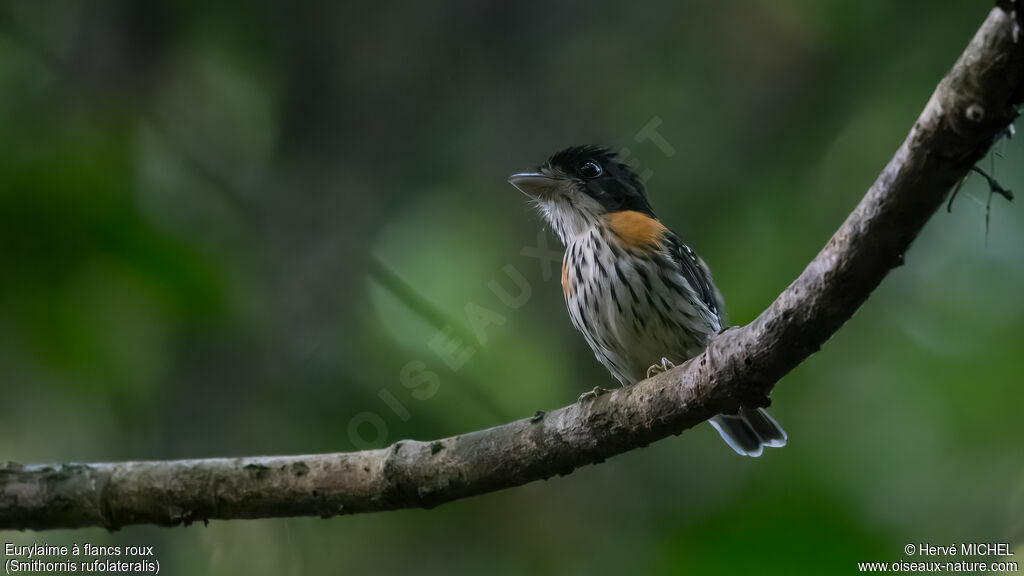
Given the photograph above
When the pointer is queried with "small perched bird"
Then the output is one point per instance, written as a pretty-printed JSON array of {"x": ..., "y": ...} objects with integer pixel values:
[{"x": 641, "y": 298}]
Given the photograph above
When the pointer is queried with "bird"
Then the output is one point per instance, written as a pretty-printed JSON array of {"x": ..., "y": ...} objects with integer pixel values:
[{"x": 643, "y": 300}]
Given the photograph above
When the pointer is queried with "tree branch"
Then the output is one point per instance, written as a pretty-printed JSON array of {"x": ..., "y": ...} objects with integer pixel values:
[{"x": 970, "y": 109}]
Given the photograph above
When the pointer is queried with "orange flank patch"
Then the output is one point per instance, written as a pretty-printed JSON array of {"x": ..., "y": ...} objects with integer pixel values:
[
  {"x": 634, "y": 229},
  {"x": 566, "y": 285}
]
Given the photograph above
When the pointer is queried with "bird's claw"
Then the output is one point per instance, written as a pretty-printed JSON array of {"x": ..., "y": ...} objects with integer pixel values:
[
  {"x": 664, "y": 366},
  {"x": 597, "y": 391}
]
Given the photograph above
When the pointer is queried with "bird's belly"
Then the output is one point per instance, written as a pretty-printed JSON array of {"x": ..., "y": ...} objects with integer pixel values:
[{"x": 631, "y": 315}]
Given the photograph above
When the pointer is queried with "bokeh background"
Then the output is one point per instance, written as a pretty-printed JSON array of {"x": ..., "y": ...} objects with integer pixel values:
[{"x": 226, "y": 227}]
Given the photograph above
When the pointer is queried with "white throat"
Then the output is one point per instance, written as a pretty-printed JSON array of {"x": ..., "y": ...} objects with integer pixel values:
[{"x": 570, "y": 216}]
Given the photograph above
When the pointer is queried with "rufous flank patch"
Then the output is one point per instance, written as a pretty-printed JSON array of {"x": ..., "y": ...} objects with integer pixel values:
[{"x": 634, "y": 229}]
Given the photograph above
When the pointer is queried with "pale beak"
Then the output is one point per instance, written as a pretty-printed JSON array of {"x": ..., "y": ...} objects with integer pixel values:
[{"x": 532, "y": 183}]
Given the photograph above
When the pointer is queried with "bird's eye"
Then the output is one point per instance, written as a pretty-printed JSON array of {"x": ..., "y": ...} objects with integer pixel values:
[{"x": 590, "y": 169}]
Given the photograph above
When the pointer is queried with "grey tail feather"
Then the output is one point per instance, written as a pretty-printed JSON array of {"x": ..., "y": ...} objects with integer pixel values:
[{"x": 749, "y": 431}]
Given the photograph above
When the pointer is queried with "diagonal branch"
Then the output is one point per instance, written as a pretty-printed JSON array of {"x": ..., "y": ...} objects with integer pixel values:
[{"x": 971, "y": 108}]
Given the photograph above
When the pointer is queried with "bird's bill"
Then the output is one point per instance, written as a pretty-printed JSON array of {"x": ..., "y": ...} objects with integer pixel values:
[{"x": 533, "y": 183}]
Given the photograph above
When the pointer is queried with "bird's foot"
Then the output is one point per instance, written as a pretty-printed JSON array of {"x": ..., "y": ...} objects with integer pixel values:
[
  {"x": 597, "y": 391},
  {"x": 723, "y": 330},
  {"x": 665, "y": 366}
]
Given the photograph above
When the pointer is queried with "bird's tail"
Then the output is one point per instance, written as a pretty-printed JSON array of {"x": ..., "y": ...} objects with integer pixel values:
[{"x": 749, "y": 431}]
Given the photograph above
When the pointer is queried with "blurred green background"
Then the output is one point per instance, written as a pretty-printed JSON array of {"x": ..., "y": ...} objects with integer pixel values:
[{"x": 226, "y": 227}]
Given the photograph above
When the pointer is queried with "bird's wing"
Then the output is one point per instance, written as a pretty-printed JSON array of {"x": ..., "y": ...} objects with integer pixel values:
[{"x": 696, "y": 272}]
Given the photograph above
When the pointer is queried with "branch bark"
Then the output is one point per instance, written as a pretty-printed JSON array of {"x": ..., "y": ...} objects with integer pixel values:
[{"x": 970, "y": 109}]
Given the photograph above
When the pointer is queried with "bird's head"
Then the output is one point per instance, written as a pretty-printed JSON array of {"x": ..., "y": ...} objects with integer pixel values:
[{"x": 578, "y": 186}]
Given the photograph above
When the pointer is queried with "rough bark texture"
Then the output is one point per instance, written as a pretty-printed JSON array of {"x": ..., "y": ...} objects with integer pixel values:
[{"x": 970, "y": 109}]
